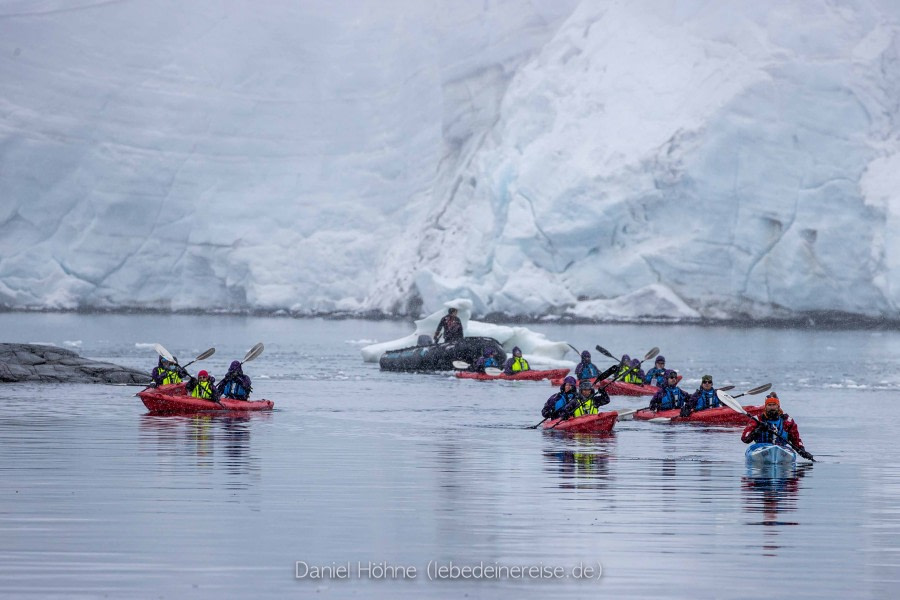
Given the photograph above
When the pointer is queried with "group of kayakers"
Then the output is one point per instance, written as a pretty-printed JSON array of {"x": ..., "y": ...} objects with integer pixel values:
[
  {"x": 579, "y": 396},
  {"x": 234, "y": 385}
]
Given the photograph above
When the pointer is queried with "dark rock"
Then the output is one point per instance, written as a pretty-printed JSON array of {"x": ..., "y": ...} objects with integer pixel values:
[{"x": 51, "y": 364}]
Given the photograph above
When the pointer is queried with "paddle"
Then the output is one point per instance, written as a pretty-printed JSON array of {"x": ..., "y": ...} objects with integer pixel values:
[
  {"x": 168, "y": 356},
  {"x": 464, "y": 366},
  {"x": 733, "y": 404},
  {"x": 613, "y": 369},
  {"x": 651, "y": 354},
  {"x": 252, "y": 353}
]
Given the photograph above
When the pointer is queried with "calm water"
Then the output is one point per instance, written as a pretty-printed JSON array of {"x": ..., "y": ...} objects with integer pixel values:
[{"x": 99, "y": 499}]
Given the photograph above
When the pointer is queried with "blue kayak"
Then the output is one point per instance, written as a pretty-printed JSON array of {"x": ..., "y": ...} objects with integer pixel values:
[{"x": 770, "y": 454}]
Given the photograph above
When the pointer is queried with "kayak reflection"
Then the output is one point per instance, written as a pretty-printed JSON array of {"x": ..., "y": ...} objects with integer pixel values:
[
  {"x": 769, "y": 492},
  {"x": 582, "y": 460},
  {"x": 203, "y": 444}
]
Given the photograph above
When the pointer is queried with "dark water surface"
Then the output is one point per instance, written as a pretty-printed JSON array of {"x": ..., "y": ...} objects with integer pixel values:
[{"x": 99, "y": 499}]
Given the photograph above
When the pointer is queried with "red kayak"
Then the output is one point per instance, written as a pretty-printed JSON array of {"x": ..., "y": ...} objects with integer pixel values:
[
  {"x": 711, "y": 416},
  {"x": 520, "y": 376},
  {"x": 173, "y": 399},
  {"x": 620, "y": 388},
  {"x": 599, "y": 423}
]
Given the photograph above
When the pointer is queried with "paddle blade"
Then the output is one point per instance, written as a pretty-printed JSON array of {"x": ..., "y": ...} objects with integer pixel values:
[
  {"x": 725, "y": 388},
  {"x": 254, "y": 352},
  {"x": 493, "y": 371},
  {"x": 730, "y": 402},
  {"x": 759, "y": 390},
  {"x": 652, "y": 353},
  {"x": 163, "y": 352},
  {"x": 460, "y": 364},
  {"x": 626, "y": 414},
  {"x": 605, "y": 352},
  {"x": 206, "y": 354}
]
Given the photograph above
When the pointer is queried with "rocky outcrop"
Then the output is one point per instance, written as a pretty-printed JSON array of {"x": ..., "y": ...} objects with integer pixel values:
[{"x": 51, "y": 364}]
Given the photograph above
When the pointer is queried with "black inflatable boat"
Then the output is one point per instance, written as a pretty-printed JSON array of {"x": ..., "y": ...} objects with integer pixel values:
[{"x": 439, "y": 357}]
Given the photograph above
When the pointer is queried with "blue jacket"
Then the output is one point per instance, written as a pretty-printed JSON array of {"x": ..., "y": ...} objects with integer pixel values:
[
  {"x": 656, "y": 377},
  {"x": 586, "y": 370},
  {"x": 703, "y": 399},
  {"x": 669, "y": 397}
]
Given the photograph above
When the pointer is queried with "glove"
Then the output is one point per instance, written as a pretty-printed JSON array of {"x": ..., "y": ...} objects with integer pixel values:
[
  {"x": 802, "y": 452},
  {"x": 685, "y": 411}
]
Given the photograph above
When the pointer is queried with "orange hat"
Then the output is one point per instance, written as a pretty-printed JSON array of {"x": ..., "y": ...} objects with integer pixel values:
[{"x": 772, "y": 398}]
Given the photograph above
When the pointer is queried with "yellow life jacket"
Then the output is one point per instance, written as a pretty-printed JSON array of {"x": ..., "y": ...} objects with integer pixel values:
[
  {"x": 203, "y": 389},
  {"x": 169, "y": 376},
  {"x": 519, "y": 364}
]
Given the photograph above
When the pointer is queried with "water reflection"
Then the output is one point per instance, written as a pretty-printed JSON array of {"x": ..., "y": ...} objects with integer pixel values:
[
  {"x": 581, "y": 460},
  {"x": 770, "y": 492},
  {"x": 200, "y": 442}
]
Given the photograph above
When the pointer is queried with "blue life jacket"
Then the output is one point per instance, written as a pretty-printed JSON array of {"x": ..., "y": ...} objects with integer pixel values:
[
  {"x": 563, "y": 398},
  {"x": 586, "y": 371},
  {"x": 767, "y": 437},
  {"x": 492, "y": 361},
  {"x": 234, "y": 389},
  {"x": 656, "y": 377},
  {"x": 706, "y": 399},
  {"x": 672, "y": 397}
]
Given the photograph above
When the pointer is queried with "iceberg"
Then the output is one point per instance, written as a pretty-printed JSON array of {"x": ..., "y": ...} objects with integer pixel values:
[{"x": 550, "y": 158}]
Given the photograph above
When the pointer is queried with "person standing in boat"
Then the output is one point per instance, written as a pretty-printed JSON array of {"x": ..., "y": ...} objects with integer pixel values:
[
  {"x": 775, "y": 427},
  {"x": 587, "y": 402},
  {"x": 657, "y": 375},
  {"x": 516, "y": 363},
  {"x": 486, "y": 360},
  {"x": 555, "y": 404},
  {"x": 203, "y": 386},
  {"x": 669, "y": 396},
  {"x": 167, "y": 372},
  {"x": 235, "y": 384},
  {"x": 586, "y": 369},
  {"x": 705, "y": 397},
  {"x": 451, "y": 325}
]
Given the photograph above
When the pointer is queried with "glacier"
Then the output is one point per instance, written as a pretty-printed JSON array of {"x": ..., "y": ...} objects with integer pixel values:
[{"x": 592, "y": 160}]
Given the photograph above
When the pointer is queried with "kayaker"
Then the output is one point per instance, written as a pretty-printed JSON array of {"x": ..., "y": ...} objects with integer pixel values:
[
  {"x": 203, "y": 386},
  {"x": 775, "y": 426},
  {"x": 657, "y": 375},
  {"x": 587, "y": 402},
  {"x": 167, "y": 372},
  {"x": 451, "y": 325},
  {"x": 669, "y": 395},
  {"x": 235, "y": 384},
  {"x": 558, "y": 401},
  {"x": 705, "y": 397},
  {"x": 586, "y": 369},
  {"x": 624, "y": 368},
  {"x": 487, "y": 359},
  {"x": 515, "y": 363},
  {"x": 636, "y": 375}
]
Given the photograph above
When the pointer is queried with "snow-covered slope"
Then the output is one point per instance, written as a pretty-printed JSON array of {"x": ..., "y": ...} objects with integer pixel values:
[{"x": 594, "y": 159}]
